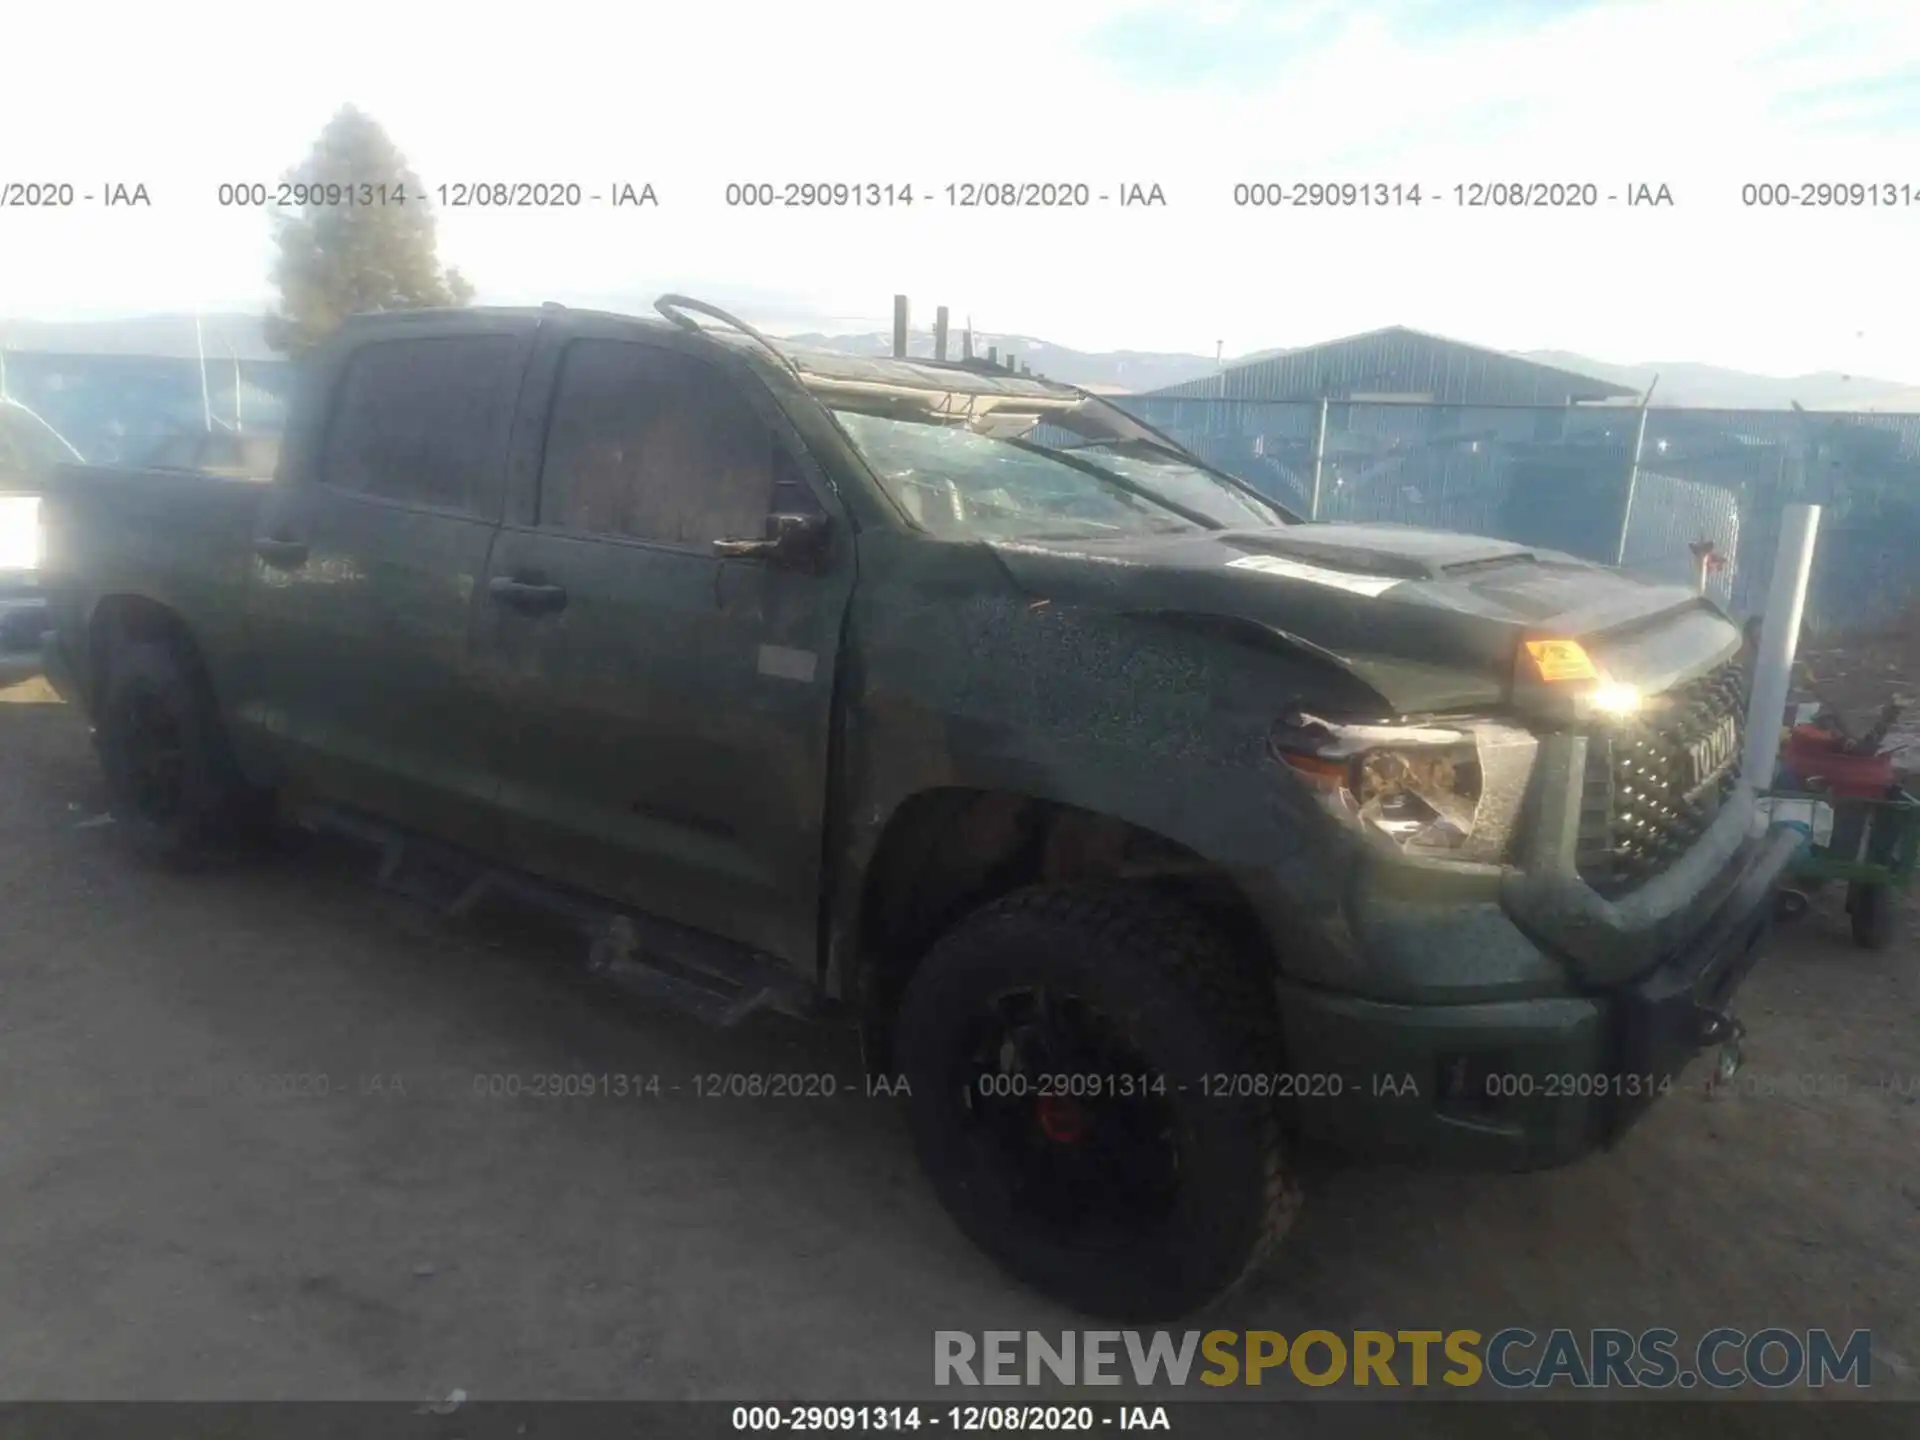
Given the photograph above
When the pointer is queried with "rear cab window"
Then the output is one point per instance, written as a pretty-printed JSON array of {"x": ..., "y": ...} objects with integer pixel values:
[{"x": 416, "y": 420}]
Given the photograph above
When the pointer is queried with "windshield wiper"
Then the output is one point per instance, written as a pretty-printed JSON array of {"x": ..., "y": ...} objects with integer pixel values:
[
  {"x": 1156, "y": 446},
  {"x": 1118, "y": 481},
  {"x": 1189, "y": 461}
]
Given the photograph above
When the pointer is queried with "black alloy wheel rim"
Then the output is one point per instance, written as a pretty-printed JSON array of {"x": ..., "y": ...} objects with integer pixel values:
[{"x": 1076, "y": 1124}]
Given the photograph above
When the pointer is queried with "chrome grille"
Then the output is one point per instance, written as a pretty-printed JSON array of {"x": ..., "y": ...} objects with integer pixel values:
[{"x": 1653, "y": 784}]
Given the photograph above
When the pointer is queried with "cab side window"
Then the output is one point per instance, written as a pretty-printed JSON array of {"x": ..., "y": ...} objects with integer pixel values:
[
  {"x": 650, "y": 444},
  {"x": 415, "y": 421}
]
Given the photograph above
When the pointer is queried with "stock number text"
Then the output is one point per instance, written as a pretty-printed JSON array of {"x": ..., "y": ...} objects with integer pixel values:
[
  {"x": 1324, "y": 194},
  {"x": 818, "y": 195},
  {"x": 299, "y": 194},
  {"x": 1830, "y": 195}
]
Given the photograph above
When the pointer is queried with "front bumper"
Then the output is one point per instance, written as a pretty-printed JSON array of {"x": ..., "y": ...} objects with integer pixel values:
[{"x": 1530, "y": 1081}]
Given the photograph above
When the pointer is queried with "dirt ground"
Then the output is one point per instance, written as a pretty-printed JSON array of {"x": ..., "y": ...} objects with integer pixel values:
[{"x": 171, "y": 1228}]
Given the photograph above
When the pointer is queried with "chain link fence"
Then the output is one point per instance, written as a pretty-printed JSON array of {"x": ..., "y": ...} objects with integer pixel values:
[
  {"x": 119, "y": 409},
  {"x": 1612, "y": 484}
]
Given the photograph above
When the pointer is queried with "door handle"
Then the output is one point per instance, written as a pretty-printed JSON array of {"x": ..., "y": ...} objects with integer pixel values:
[
  {"x": 746, "y": 549},
  {"x": 529, "y": 597},
  {"x": 280, "y": 552}
]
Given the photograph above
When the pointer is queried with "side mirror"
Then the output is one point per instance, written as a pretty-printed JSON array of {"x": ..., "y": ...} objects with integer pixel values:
[{"x": 794, "y": 542}]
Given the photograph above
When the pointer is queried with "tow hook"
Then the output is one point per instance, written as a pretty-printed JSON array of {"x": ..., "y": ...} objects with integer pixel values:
[{"x": 1720, "y": 1027}]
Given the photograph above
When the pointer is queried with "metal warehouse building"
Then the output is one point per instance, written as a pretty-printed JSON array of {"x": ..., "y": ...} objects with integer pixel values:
[{"x": 1398, "y": 364}]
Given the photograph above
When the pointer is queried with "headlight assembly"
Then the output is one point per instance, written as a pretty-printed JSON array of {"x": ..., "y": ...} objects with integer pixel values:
[{"x": 1447, "y": 790}]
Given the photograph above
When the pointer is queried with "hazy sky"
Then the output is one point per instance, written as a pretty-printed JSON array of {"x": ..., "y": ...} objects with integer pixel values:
[{"x": 1701, "y": 95}]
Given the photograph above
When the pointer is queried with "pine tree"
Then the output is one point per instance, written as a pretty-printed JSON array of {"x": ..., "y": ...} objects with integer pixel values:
[{"x": 340, "y": 259}]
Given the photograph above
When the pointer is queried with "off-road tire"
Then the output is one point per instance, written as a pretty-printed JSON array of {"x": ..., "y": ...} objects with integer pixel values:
[
  {"x": 216, "y": 814},
  {"x": 1188, "y": 1003}
]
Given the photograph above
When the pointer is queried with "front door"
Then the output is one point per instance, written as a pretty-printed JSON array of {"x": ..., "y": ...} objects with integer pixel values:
[{"x": 666, "y": 710}]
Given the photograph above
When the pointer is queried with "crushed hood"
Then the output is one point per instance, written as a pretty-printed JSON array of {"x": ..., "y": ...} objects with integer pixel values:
[{"x": 1428, "y": 619}]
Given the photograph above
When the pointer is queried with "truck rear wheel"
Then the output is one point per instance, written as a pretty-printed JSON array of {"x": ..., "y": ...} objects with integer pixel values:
[
  {"x": 1870, "y": 914},
  {"x": 178, "y": 797},
  {"x": 1085, "y": 1067}
]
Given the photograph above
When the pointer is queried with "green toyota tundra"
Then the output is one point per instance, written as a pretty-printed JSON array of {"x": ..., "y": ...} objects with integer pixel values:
[{"x": 1144, "y": 830}]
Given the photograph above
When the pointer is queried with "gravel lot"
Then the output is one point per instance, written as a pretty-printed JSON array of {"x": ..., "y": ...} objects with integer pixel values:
[{"x": 172, "y": 1229}]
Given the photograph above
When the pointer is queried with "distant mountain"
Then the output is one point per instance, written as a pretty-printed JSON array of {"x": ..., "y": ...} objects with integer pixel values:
[
  {"x": 1695, "y": 386},
  {"x": 171, "y": 336},
  {"x": 1682, "y": 382},
  {"x": 1117, "y": 371}
]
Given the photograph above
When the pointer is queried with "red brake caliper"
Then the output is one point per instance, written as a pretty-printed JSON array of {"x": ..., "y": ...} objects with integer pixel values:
[{"x": 1061, "y": 1119}]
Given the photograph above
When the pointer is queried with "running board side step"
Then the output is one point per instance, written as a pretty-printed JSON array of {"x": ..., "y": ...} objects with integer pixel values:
[{"x": 712, "y": 979}]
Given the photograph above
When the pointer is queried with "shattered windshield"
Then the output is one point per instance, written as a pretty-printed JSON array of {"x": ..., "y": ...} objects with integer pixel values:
[
  {"x": 994, "y": 477},
  {"x": 955, "y": 482}
]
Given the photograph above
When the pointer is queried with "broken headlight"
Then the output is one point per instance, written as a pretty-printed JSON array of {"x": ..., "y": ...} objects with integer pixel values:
[{"x": 1442, "y": 790}]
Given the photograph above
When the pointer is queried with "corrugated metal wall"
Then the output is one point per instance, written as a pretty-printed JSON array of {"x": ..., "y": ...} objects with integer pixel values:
[{"x": 1398, "y": 362}]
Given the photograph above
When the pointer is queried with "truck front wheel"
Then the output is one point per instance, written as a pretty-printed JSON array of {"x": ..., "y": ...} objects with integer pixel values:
[
  {"x": 1090, "y": 1070},
  {"x": 177, "y": 795}
]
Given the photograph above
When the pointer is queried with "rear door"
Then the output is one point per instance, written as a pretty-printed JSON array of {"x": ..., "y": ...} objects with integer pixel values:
[
  {"x": 369, "y": 562},
  {"x": 664, "y": 713}
]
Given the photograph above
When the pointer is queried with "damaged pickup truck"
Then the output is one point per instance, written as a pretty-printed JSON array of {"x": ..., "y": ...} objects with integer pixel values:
[{"x": 1143, "y": 829}]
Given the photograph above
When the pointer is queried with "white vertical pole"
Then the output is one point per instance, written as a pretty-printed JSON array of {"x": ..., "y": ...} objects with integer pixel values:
[
  {"x": 200, "y": 349},
  {"x": 1779, "y": 638},
  {"x": 1633, "y": 484},
  {"x": 1319, "y": 459}
]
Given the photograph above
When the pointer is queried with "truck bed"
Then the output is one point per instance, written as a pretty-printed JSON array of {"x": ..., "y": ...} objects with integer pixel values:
[{"x": 176, "y": 537}]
